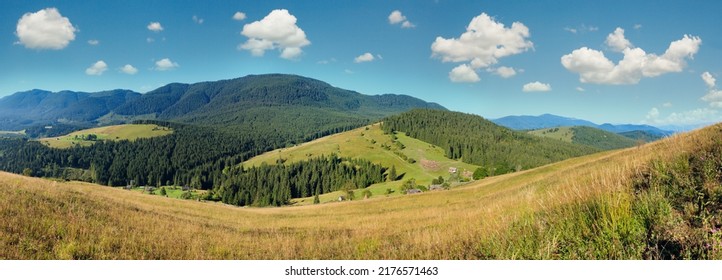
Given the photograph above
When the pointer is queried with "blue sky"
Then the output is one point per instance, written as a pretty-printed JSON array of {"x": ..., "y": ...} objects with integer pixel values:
[{"x": 517, "y": 58}]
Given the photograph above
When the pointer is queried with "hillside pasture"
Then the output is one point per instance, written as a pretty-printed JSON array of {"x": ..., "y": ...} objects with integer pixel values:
[
  {"x": 109, "y": 133},
  {"x": 370, "y": 143}
]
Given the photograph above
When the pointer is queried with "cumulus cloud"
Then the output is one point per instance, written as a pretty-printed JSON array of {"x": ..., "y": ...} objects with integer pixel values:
[
  {"x": 93, "y": 42},
  {"x": 239, "y": 16},
  {"x": 713, "y": 96},
  {"x": 483, "y": 44},
  {"x": 165, "y": 65},
  {"x": 709, "y": 80},
  {"x": 129, "y": 69},
  {"x": 653, "y": 114},
  {"x": 97, "y": 68},
  {"x": 536, "y": 86},
  {"x": 397, "y": 17},
  {"x": 155, "y": 27},
  {"x": 691, "y": 117},
  {"x": 580, "y": 89},
  {"x": 463, "y": 74},
  {"x": 198, "y": 20},
  {"x": 504, "y": 72},
  {"x": 45, "y": 29},
  {"x": 278, "y": 30},
  {"x": 366, "y": 57},
  {"x": 594, "y": 67},
  {"x": 407, "y": 24},
  {"x": 617, "y": 41}
]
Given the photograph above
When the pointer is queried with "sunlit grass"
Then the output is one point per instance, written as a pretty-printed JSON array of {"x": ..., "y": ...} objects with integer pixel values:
[
  {"x": 111, "y": 133},
  {"x": 580, "y": 208}
]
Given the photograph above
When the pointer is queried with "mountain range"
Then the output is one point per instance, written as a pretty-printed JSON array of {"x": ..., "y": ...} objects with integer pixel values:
[
  {"x": 551, "y": 121},
  {"x": 249, "y": 102}
]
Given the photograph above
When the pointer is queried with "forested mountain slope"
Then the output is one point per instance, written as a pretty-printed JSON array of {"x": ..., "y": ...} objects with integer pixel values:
[
  {"x": 588, "y": 136},
  {"x": 300, "y": 108},
  {"x": 476, "y": 140}
]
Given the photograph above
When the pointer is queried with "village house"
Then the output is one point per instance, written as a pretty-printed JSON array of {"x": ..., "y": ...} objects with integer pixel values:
[{"x": 413, "y": 191}]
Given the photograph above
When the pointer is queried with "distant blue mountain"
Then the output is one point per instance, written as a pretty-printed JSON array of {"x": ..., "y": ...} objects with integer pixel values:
[
  {"x": 549, "y": 121},
  {"x": 539, "y": 122}
]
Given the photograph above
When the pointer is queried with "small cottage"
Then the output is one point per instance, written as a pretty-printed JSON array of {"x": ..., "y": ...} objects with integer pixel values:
[
  {"x": 413, "y": 191},
  {"x": 452, "y": 170},
  {"x": 436, "y": 187}
]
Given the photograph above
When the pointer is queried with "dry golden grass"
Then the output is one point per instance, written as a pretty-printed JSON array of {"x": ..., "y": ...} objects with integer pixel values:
[{"x": 48, "y": 220}]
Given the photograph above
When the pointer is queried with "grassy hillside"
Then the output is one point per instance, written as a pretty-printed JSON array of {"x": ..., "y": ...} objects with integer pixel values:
[
  {"x": 588, "y": 136},
  {"x": 112, "y": 133},
  {"x": 368, "y": 143},
  {"x": 473, "y": 139},
  {"x": 661, "y": 200}
]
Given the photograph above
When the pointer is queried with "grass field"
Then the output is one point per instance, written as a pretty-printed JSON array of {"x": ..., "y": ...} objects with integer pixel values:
[
  {"x": 111, "y": 133},
  {"x": 591, "y": 207},
  {"x": 560, "y": 133},
  {"x": 366, "y": 143}
]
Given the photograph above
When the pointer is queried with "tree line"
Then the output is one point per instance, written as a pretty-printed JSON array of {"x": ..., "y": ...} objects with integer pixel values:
[
  {"x": 277, "y": 184},
  {"x": 475, "y": 140},
  {"x": 194, "y": 156}
]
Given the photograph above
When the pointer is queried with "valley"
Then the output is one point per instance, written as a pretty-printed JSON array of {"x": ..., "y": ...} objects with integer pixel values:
[
  {"x": 591, "y": 207},
  {"x": 287, "y": 167},
  {"x": 424, "y": 162}
]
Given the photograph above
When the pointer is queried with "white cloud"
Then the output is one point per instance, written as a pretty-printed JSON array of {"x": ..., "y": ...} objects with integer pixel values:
[
  {"x": 484, "y": 43},
  {"x": 709, "y": 80},
  {"x": 463, "y": 74},
  {"x": 536, "y": 86},
  {"x": 397, "y": 17},
  {"x": 667, "y": 104},
  {"x": 570, "y": 30},
  {"x": 45, "y": 29},
  {"x": 347, "y": 71},
  {"x": 637, "y": 26},
  {"x": 581, "y": 29},
  {"x": 155, "y": 27},
  {"x": 129, "y": 69},
  {"x": 503, "y": 71},
  {"x": 149, "y": 40},
  {"x": 713, "y": 96},
  {"x": 594, "y": 67},
  {"x": 93, "y": 42},
  {"x": 617, "y": 41},
  {"x": 278, "y": 30},
  {"x": 198, "y": 20},
  {"x": 653, "y": 114},
  {"x": 580, "y": 89},
  {"x": 97, "y": 68},
  {"x": 691, "y": 117},
  {"x": 165, "y": 64},
  {"x": 366, "y": 57},
  {"x": 239, "y": 16}
]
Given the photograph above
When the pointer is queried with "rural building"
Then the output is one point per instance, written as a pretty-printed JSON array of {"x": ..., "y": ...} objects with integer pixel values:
[
  {"x": 436, "y": 187},
  {"x": 452, "y": 170},
  {"x": 413, "y": 191},
  {"x": 341, "y": 198}
]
